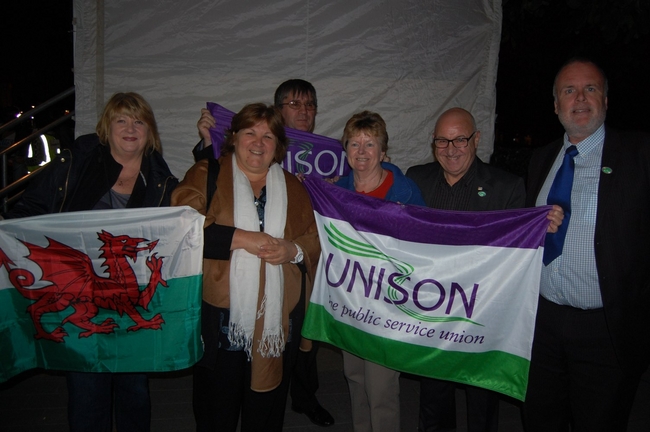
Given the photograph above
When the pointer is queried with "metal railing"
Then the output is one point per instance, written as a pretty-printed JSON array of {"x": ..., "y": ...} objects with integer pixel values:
[{"x": 11, "y": 192}]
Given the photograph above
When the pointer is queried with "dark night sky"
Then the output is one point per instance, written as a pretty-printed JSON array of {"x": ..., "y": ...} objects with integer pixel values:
[
  {"x": 613, "y": 33},
  {"x": 536, "y": 40},
  {"x": 36, "y": 50}
]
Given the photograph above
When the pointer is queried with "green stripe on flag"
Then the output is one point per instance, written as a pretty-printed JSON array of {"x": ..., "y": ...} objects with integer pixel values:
[
  {"x": 495, "y": 370},
  {"x": 177, "y": 345}
]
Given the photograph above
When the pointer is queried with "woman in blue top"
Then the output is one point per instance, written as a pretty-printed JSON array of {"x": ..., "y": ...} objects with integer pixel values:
[
  {"x": 374, "y": 389},
  {"x": 365, "y": 141}
]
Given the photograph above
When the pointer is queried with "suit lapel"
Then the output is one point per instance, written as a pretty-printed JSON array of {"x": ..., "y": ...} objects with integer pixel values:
[
  {"x": 537, "y": 174},
  {"x": 429, "y": 179},
  {"x": 480, "y": 189},
  {"x": 610, "y": 166}
]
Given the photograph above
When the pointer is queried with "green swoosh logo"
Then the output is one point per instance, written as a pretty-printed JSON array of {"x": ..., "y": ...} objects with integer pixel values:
[
  {"x": 357, "y": 248},
  {"x": 303, "y": 156}
]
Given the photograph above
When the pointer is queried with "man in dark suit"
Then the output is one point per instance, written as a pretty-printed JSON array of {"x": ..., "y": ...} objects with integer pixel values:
[
  {"x": 458, "y": 180},
  {"x": 591, "y": 346}
]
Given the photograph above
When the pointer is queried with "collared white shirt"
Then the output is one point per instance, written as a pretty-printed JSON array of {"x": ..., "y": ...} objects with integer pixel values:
[{"x": 572, "y": 278}]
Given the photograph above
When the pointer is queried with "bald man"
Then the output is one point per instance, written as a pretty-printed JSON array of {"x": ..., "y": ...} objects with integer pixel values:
[{"x": 458, "y": 180}]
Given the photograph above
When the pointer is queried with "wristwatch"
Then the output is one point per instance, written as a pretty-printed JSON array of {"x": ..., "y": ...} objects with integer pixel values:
[{"x": 299, "y": 256}]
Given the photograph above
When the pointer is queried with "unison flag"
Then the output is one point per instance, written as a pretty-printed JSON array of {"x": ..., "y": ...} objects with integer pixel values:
[
  {"x": 101, "y": 291},
  {"x": 448, "y": 295},
  {"x": 309, "y": 154}
]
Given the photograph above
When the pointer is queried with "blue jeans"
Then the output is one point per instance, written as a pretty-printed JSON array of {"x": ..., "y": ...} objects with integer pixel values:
[{"x": 92, "y": 396}]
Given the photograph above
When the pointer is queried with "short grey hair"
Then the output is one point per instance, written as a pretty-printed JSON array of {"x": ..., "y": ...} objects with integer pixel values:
[{"x": 583, "y": 60}]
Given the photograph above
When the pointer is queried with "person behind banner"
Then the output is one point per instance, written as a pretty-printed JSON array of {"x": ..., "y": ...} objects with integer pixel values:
[
  {"x": 374, "y": 389},
  {"x": 121, "y": 166},
  {"x": 590, "y": 346},
  {"x": 296, "y": 99},
  {"x": 261, "y": 248},
  {"x": 458, "y": 180}
]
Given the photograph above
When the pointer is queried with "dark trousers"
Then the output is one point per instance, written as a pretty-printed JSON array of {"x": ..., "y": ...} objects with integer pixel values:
[
  {"x": 304, "y": 380},
  {"x": 575, "y": 380},
  {"x": 438, "y": 407},
  {"x": 92, "y": 396},
  {"x": 222, "y": 381}
]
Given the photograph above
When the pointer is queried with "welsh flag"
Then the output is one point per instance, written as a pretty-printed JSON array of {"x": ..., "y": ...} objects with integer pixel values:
[
  {"x": 448, "y": 295},
  {"x": 101, "y": 291}
]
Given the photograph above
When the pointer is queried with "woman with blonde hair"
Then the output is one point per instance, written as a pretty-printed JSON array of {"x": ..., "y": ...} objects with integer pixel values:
[{"x": 120, "y": 166}]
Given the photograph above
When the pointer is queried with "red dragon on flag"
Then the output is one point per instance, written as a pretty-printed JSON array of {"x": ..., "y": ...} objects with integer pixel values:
[{"x": 74, "y": 283}]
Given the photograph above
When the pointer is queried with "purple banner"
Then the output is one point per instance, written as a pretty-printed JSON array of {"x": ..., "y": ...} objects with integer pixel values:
[
  {"x": 520, "y": 228},
  {"x": 308, "y": 153}
]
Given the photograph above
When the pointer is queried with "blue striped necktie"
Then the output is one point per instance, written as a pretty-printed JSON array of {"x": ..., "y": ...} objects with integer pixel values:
[{"x": 560, "y": 194}]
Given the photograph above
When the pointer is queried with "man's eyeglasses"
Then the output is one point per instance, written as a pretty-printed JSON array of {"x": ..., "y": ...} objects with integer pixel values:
[
  {"x": 459, "y": 143},
  {"x": 296, "y": 105}
]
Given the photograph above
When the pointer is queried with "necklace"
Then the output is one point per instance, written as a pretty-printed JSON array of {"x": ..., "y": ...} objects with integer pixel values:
[
  {"x": 381, "y": 176},
  {"x": 120, "y": 182}
]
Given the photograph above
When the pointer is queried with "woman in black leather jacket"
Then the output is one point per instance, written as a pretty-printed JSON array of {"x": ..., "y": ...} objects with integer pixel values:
[
  {"x": 118, "y": 167},
  {"x": 82, "y": 175}
]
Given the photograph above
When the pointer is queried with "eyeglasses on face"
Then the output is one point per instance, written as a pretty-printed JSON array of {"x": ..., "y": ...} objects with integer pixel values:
[
  {"x": 459, "y": 143},
  {"x": 296, "y": 105}
]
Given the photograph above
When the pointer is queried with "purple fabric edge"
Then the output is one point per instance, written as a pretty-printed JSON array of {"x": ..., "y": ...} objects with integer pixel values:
[
  {"x": 519, "y": 228},
  {"x": 223, "y": 117}
]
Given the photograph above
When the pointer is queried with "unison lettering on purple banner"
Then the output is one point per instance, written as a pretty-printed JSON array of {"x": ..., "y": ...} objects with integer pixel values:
[
  {"x": 448, "y": 295},
  {"x": 307, "y": 153}
]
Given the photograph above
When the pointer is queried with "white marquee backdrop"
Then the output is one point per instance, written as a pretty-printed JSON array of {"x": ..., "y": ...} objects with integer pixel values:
[{"x": 408, "y": 60}]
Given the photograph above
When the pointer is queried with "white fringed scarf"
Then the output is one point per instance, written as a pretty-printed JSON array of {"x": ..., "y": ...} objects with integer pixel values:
[{"x": 245, "y": 268}]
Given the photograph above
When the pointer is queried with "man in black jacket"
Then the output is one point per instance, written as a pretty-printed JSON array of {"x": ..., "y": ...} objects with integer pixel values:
[{"x": 458, "y": 180}]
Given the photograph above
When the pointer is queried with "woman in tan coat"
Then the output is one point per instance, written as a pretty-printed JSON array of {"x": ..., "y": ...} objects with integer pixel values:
[{"x": 261, "y": 248}]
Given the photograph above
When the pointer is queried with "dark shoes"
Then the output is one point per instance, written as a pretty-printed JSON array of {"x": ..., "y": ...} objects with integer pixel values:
[{"x": 318, "y": 415}]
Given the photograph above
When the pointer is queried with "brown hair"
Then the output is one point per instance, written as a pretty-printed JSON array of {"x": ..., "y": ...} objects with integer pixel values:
[
  {"x": 251, "y": 115},
  {"x": 132, "y": 105},
  {"x": 299, "y": 87},
  {"x": 368, "y": 122}
]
